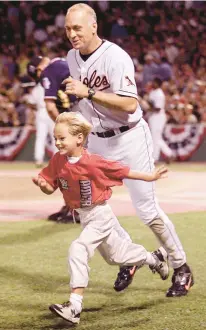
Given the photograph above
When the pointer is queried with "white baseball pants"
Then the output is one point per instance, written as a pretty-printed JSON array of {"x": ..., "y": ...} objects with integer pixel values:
[
  {"x": 157, "y": 123},
  {"x": 101, "y": 230},
  {"x": 135, "y": 149},
  {"x": 44, "y": 126}
]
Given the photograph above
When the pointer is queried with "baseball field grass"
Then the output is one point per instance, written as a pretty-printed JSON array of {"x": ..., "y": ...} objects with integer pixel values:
[{"x": 33, "y": 275}]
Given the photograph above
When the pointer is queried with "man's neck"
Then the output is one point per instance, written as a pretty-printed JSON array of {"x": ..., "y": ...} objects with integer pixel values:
[{"x": 96, "y": 42}]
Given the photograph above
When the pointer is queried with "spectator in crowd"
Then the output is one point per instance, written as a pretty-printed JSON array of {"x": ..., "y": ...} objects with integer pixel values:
[
  {"x": 164, "y": 71},
  {"x": 175, "y": 32},
  {"x": 149, "y": 69}
]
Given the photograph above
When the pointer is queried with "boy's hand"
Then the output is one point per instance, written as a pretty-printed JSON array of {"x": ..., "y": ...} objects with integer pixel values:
[
  {"x": 43, "y": 185},
  {"x": 160, "y": 173}
]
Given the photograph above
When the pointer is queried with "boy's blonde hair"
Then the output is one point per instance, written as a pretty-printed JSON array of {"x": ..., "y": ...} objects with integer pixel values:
[{"x": 76, "y": 123}]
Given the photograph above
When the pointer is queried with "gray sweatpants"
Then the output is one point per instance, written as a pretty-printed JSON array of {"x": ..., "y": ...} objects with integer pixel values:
[{"x": 101, "y": 230}]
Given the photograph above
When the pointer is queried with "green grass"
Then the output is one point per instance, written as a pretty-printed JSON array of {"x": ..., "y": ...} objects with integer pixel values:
[{"x": 33, "y": 274}]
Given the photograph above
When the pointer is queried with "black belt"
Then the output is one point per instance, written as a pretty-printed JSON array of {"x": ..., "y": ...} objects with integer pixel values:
[{"x": 111, "y": 132}]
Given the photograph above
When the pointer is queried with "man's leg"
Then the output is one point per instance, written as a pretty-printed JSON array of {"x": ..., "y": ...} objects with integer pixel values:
[
  {"x": 144, "y": 200},
  {"x": 121, "y": 148}
]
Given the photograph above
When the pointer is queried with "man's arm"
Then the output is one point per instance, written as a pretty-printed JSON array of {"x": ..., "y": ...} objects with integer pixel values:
[
  {"x": 109, "y": 100},
  {"x": 51, "y": 108}
]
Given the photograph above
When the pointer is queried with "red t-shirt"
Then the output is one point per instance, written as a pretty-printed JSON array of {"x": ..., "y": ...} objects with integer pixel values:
[{"x": 88, "y": 181}]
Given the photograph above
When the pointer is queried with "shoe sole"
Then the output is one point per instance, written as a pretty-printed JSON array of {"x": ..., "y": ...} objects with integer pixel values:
[{"x": 54, "y": 311}]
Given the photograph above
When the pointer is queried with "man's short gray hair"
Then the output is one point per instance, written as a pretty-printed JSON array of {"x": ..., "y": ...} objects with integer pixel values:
[{"x": 82, "y": 6}]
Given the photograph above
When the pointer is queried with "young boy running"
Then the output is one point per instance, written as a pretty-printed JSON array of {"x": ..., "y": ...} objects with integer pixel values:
[{"x": 85, "y": 181}]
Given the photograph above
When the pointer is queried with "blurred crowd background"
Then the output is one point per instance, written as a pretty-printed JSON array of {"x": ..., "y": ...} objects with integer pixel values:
[{"x": 166, "y": 39}]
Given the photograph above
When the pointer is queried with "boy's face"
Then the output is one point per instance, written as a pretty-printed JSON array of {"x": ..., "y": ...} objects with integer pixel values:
[{"x": 66, "y": 143}]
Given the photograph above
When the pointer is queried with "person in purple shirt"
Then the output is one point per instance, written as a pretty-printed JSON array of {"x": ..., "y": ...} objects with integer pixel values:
[{"x": 51, "y": 73}]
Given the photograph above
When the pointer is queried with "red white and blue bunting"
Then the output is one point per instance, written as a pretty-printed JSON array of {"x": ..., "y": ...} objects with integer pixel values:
[
  {"x": 13, "y": 140},
  {"x": 184, "y": 140}
]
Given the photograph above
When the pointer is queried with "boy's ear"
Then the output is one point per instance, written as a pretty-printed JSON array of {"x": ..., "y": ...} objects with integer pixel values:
[{"x": 80, "y": 137}]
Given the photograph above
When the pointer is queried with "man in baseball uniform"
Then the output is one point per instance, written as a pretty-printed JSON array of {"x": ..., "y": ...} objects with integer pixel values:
[
  {"x": 44, "y": 124},
  {"x": 102, "y": 76},
  {"x": 157, "y": 120}
]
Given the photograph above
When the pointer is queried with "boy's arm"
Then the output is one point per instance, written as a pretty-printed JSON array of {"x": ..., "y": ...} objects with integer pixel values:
[
  {"x": 158, "y": 173},
  {"x": 43, "y": 185}
]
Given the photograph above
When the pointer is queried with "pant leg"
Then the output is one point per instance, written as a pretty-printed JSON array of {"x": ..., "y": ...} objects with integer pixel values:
[
  {"x": 97, "y": 225},
  {"x": 40, "y": 141},
  {"x": 156, "y": 129},
  {"x": 135, "y": 148},
  {"x": 121, "y": 251},
  {"x": 165, "y": 148},
  {"x": 50, "y": 124}
]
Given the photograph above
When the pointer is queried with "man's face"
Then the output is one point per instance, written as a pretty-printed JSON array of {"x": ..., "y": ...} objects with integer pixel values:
[{"x": 80, "y": 29}]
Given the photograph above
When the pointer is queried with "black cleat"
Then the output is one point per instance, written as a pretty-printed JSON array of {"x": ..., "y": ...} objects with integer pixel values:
[
  {"x": 56, "y": 216},
  {"x": 65, "y": 216},
  {"x": 124, "y": 277},
  {"x": 182, "y": 280}
]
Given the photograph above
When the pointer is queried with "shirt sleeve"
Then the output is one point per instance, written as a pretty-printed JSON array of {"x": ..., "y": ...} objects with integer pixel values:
[
  {"x": 49, "y": 173},
  {"x": 121, "y": 75},
  {"x": 52, "y": 78},
  {"x": 111, "y": 172}
]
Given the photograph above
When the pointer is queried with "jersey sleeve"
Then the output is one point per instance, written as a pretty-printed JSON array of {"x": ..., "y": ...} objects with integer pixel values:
[
  {"x": 121, "y": 75},
  {"x": 52, "y": 77},
  {"x": 49, "y": 173}
]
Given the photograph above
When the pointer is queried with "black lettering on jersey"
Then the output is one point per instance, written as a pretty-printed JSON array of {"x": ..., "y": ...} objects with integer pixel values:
[
  {"x": 96, "y": 81},
  {"x": 85, "y": 193}
]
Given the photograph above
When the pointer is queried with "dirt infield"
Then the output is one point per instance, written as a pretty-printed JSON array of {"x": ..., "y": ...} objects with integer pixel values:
[{"x": 21, "y": 200}]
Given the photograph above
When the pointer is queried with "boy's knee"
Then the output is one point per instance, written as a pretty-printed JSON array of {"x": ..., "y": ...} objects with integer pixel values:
[{"x": 75, "y": 248}]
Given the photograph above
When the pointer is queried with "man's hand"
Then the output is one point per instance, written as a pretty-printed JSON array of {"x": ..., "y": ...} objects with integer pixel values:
[
  {"x": 43, "y": 185},
  {"x": 75, "y": 87}
]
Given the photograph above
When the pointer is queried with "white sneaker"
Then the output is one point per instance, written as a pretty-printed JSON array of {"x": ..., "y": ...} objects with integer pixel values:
[
  {"x": 161, "y": 265},
  {"x": 66, "y": 311}
]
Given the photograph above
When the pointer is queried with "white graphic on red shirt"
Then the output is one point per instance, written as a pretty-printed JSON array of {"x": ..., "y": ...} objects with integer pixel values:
[
  {"x": 85, "y": 193},
  {"x": 64, "y": 183}
]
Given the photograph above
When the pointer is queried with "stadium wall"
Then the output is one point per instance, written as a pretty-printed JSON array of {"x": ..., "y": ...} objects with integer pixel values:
[{"x": 188, "y": 143}]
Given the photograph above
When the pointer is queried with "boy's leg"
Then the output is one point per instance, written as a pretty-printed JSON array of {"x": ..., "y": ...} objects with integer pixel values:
[
  {"x": 116, "y": 250},
  {"x": 97, "y": 226}
]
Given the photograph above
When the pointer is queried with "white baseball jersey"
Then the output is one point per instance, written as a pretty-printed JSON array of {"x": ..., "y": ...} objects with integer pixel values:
[
  {"x": 37, "y": 98},
  {"x": 157, "y": 97},
  {"x": 105, "y": 72}
]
